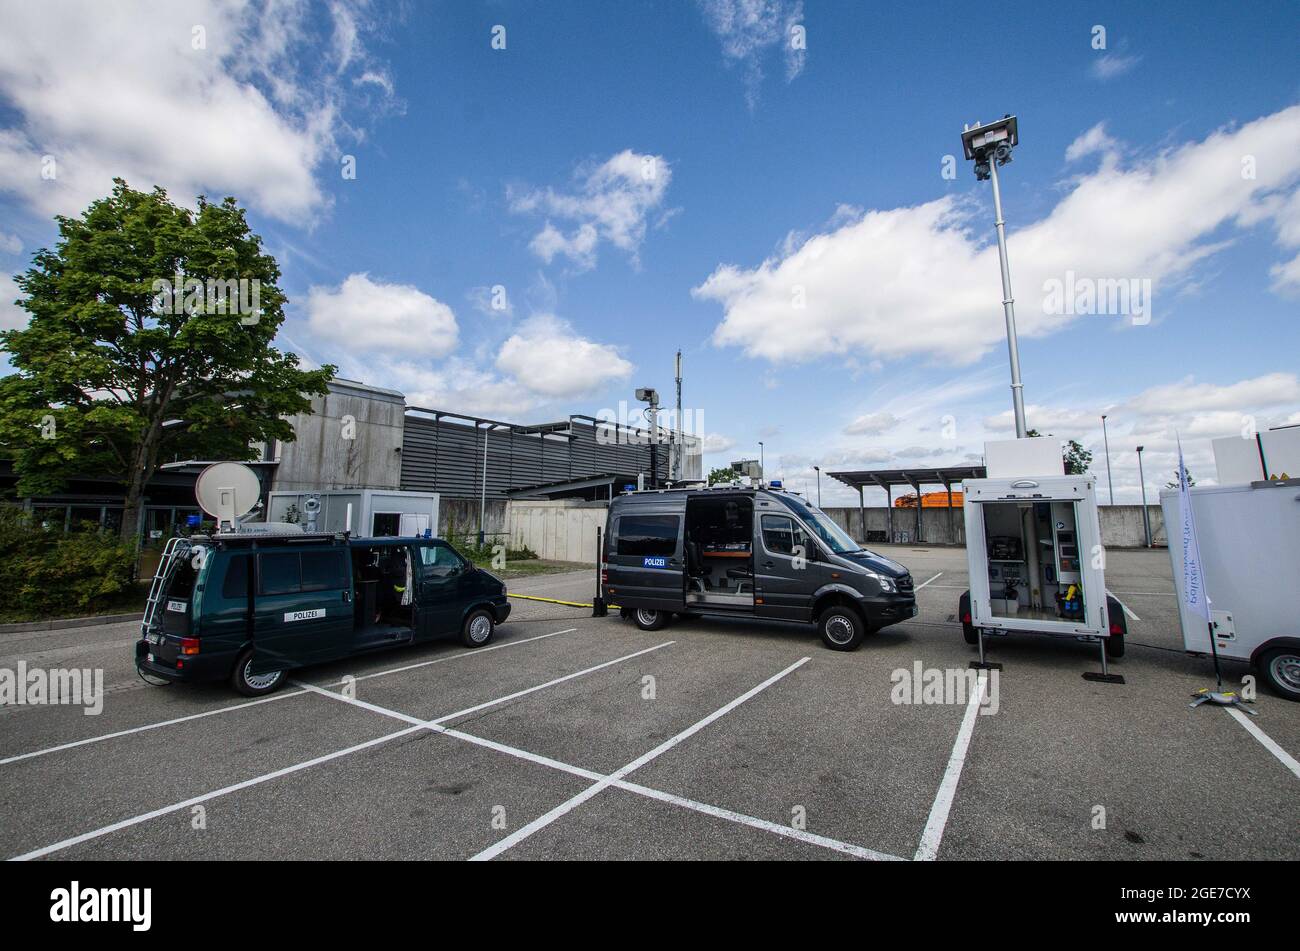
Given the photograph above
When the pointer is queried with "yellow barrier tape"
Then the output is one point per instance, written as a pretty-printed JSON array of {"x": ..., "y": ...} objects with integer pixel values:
[{"x": 573, "y": 604}]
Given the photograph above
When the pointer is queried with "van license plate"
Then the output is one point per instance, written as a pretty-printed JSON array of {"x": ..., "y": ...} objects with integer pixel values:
[{"x": 177, "y": 606}]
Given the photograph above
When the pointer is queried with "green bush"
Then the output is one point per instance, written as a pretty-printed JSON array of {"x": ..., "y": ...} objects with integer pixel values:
[{"x": 50, "y": 573}]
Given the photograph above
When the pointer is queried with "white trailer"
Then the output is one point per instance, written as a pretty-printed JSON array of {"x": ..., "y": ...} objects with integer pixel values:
[
  {"x": 1033, "y": 548},
  {"x": 1249, "y": 540}
]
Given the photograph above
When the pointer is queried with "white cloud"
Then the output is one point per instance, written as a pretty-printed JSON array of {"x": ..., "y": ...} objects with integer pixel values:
[
  {"x": 1094, "y": 140},
  {"x": 12, "y": 317},
  {"x": 748, "y": 29},
  {"x": 1111, "y": 65},
  {"x": 456, "y": 385},
  {"x": 871, "y": 424},
  {"x": 931, "y": 266},
  {"x": 716, "y": 442},
  {"x": 10, "y": 243},
  {"x": 610, "y": 202},
  {"x": 371, "y": 316},
  {"x": 1273, "y": 389},
  {"x": 548, "y": 357},
  {"x": 253, "y": 114}
]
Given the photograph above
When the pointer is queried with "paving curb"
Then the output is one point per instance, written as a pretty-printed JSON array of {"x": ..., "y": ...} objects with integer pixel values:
[{"x": 60, "y": 624}]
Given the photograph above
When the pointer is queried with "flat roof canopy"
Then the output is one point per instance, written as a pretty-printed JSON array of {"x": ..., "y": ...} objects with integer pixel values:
[{"x": 914, "y": 477}]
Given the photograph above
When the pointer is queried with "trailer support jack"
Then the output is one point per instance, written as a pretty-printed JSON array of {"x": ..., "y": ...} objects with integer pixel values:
[
  {"x": 1105, "y": 677},
  {"x": 982, "y": 664}
]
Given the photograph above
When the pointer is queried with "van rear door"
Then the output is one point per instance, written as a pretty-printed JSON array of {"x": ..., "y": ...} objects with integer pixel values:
[
  {"x": 302, "y": 612},
  {"x": 645, "y": 558}
]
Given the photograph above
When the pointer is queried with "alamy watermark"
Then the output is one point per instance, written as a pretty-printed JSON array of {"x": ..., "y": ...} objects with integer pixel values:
[
  {"x": 34, "y": 686},
  {"x": 1088, "y": 296},
  {"x": 189, "y": 295},
  {"x": 952, "y": 686}
]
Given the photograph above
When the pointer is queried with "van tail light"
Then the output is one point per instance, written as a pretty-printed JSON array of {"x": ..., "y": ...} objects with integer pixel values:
[
  {"x": 189, "y": 645},
  {"x": 965, "y": 618},
  {"x": 1115, "y": 628}
]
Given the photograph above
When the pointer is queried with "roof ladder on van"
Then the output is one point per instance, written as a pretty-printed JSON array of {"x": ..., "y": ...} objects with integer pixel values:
[{"x": 175, "y": 549}]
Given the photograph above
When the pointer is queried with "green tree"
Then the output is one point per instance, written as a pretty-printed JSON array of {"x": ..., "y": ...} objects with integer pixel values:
[
  {"x": 116, "y": 374},
  {"x": 1174, "y": 484},
  {"x": 1075, "y": 458},
  {"x": 723, "y": 474}
]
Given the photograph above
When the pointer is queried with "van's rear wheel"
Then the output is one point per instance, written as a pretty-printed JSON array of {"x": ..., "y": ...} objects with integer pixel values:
[
  {"x": 250, "y": 684},
  {"x": 1281, "y": 668},
  {"x": 841, "y": 628},
  {"x": 650, "y": 620},
  {"x": 478, "y": 628}
]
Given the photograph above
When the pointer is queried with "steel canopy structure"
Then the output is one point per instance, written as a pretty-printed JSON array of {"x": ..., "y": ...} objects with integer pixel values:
[{"x": 914, "y": 478}]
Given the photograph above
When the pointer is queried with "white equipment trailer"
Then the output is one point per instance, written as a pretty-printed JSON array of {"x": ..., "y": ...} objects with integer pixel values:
[
  {"x": 1033, "y": 548},
  {"x": 1249, "y": 539}
]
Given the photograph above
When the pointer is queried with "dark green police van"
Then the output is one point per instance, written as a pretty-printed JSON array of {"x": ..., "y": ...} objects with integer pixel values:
[{"x": 250, "y": 607}]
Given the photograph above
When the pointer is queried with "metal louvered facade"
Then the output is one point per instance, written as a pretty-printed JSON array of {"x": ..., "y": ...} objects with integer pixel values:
[{"x": 444, "y": 452}]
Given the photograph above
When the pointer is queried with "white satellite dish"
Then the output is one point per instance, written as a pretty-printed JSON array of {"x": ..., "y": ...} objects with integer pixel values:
[{"x": 227, "y": 490}]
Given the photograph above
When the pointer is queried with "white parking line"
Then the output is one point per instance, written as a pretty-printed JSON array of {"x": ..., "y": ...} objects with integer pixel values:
[
  {"x": 1131, "y": 615},
  {"x": 257, "y": 780},
  {"x": 1285, "y": 758},
  {"x": 278, "y": 696},
  {"x": 923, "y": 584},
  {"x": 932, "y": 836},
  {"x": 569, "y": 805},
  {"x": 716, "y": 811}
]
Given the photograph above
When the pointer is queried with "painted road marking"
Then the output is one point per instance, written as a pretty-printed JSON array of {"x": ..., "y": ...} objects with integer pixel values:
[
  {"x": 271, "y": 699},
  {"x": 715, "y": 811},
  {"x": 569, "y": 805},
  {"x": 266, "y": 777},
  {"x": 932, "y": 836}
]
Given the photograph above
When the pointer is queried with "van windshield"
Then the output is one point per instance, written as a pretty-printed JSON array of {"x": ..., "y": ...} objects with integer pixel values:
[{"x": 838, "y": 540}]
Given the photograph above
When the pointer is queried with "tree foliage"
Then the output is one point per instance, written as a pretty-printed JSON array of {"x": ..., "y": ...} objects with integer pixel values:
[
  {"x": 1074, "y": 457},
  {"x": 114, "y": 378}
]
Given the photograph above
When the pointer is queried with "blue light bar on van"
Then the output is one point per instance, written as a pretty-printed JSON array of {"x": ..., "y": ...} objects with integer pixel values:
[
  {"x": 629, "y": 487},
  {"x": 775, "y": 484}
]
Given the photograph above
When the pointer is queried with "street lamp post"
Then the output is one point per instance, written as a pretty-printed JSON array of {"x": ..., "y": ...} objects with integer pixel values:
[
  {"x": 762, "y": 470},
  {"x": 1106, "y": 439},
  {"x": 1146, "y": 516},
  {"x": 482, "y": 499},
  {"x": 819, "y": 485},
  {"x": 989, "y": 147}
]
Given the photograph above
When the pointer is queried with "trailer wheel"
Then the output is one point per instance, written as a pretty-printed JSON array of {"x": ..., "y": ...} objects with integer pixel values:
[
  {"x": 1281, "y": 668},
  {"x": 841, "y": 628},
  {"x": 250, "y": 684},
  {"x": 1118, "y": 628},
  {"x": 968, "y": 632},
  {"x": 477, "y": 629},
  {"x": 649, "y": 619}
]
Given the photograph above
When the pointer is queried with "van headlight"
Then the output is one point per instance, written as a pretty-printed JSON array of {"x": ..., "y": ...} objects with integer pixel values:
[{"x": 886, "y": 584}]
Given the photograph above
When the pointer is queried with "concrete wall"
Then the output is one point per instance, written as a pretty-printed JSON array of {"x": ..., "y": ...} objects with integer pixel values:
[
  {"x": 322, "y": 457},
  {"x": 460, "y": 516},
  {"x": 1121, "y": 525},
  {"x": 564, "y": 530}
]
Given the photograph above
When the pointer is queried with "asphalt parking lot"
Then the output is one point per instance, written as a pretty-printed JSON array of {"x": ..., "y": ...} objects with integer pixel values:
[{"x": 575, "y": 737}]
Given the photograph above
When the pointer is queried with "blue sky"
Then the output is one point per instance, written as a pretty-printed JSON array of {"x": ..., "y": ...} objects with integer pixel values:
[{"x": 643, "y": 176}]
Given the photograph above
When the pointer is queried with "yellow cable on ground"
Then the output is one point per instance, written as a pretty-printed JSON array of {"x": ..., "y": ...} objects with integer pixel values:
[{"x": 572, "y": 604}]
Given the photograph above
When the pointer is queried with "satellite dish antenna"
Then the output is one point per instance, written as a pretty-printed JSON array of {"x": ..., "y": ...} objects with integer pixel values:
[{"x": 227, "y": 490}]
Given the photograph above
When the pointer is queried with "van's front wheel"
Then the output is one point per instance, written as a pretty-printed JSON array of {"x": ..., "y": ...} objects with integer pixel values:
[
  {"x": 478, "y": 628},
  {"x": 650, "y": 620},
  {"x": 841, "y": 628},
  {"x": 250, "y": 684}
]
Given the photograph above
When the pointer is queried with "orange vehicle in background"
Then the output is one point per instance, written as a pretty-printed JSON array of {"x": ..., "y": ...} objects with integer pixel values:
[{"x": 929, "y": 500}]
